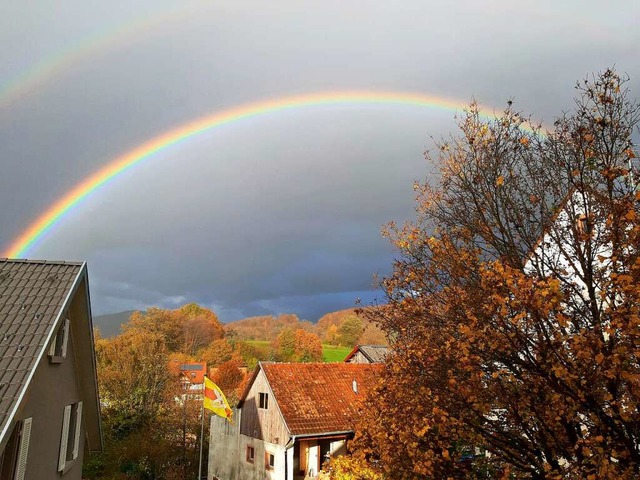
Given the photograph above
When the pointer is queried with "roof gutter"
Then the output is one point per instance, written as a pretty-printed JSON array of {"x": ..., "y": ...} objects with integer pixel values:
[{"x": 307, "y": 436}]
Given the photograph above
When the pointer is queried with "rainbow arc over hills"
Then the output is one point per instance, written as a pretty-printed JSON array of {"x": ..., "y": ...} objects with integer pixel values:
[{"x": 30, "y": 237}]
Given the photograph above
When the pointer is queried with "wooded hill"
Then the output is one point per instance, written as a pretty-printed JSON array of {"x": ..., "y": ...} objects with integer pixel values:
[
  {"x": 343, "y": 327},
  {"x": 268, "y": 327}
]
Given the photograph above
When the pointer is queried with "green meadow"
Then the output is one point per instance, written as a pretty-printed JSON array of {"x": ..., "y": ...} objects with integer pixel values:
[{"x": 330, "y": 353}]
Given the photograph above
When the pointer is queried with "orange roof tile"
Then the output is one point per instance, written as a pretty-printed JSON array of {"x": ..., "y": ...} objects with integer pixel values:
[{"x": 316, "y": 398}]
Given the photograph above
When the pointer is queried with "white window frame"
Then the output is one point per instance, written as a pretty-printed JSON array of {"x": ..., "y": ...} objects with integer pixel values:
[
  {"x": 60, "y": 343},
  {"x": 70, "y": 437},
  {"x": 64, "y": 439}
]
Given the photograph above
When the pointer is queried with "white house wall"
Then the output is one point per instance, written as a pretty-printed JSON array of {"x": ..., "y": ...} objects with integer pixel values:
[{"x": 223, "y": 447}]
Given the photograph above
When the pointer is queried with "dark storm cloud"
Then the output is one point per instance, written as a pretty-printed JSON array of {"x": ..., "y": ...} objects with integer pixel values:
[{"x": 277, "y": 213}]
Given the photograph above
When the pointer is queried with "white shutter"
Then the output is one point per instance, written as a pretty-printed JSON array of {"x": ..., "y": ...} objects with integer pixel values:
[
  {"x": 52, "y": 348},
  {"x": 62, "y": 458},
  {"x": 21, "y": 467},
  {"x": 65, "y": 338},
  {"x": 76, "y": 438}
]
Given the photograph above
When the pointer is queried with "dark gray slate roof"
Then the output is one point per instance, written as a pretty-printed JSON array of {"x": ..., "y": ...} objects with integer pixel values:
[{"x": 32, "y": 296}]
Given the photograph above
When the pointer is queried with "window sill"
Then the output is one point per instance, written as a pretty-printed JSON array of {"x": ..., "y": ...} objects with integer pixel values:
[
  {"x": 67, "y": 466},
  {"x": 56, "y": 359}
]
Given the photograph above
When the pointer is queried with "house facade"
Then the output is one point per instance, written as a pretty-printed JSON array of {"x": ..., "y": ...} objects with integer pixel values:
[
  {"x": 291, "y": 418},
  {"x": 49, "y": 405}
]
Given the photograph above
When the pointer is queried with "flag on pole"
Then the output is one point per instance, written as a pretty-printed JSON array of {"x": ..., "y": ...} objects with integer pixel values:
[{"x": 215, "y": 400}]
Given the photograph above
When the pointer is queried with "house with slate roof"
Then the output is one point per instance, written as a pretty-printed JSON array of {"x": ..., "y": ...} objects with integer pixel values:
[
  {"x": 290, "y": 419},
  {"x": 49, "y": 405},
  {"x": 367, "y": 354}
]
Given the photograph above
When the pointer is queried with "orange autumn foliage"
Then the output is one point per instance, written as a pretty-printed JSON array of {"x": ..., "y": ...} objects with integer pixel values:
[{"x": 515, "y": 325}]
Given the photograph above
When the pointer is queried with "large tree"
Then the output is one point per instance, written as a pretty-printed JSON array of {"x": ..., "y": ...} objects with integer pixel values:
[
  {"x": 514, "y": 303},
  {"x": 187, "y": 329}
]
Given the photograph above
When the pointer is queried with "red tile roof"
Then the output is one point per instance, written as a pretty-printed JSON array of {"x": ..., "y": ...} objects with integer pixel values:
[
  {"x": 192, "y": 371},
  {"x": 317, "y": 398}
]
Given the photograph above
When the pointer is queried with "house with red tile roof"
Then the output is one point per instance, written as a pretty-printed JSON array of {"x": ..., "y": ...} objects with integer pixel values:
[
  {"x": 290, "y": 419},
  {"x": 191, "y": 374}
]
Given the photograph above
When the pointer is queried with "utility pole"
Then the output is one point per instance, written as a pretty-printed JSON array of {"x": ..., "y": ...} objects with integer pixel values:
[{"x": 201, "y": 434}]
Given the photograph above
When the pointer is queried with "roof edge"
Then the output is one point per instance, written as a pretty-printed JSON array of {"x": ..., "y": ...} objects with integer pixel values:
[
  {"x": 284, "y": 420},
  {"x": 93, "y": 357},
  {"x": 324, "y": 434}
]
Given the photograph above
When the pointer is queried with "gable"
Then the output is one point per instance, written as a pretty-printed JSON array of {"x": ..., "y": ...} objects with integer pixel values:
[
  {"x": 261, "y": 417},
  {"x": 36, "y": 297},
  {"x": 367, "y": 353}
]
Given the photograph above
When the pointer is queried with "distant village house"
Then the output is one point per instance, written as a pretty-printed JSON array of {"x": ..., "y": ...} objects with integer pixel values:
[
  {"x": 367, "y": 354},
  {"x": 290, "y": 419}
]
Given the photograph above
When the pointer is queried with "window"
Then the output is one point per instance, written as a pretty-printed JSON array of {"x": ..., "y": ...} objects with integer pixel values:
[
  {"x": 70, "y": 439},
  {"x": 584, "y": 224},
  {"x": 264, "y": 400},
  {"x": 250, "y": 454},
  {"x": 14, "y": 457},
  {"x": 58, "y": 349},
  {"x": 269, "y": 460}
]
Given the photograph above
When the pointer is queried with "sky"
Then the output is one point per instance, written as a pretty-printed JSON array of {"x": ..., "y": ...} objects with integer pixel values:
[{"x": 279, "y": 212}]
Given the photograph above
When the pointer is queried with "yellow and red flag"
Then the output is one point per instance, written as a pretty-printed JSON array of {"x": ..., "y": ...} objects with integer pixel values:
[{"x": 215, "y": 400}]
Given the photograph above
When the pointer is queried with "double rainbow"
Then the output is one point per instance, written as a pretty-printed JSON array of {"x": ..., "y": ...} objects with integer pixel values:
[{"x": 22, "y": 245}]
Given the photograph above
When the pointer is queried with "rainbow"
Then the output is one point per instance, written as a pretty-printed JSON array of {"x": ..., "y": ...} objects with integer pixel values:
[
  {"x": 52, "y": 216},
  {"x": 47, "y": 68}
]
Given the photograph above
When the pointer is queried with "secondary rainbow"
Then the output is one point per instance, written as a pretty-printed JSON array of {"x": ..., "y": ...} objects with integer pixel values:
[
  {"x": 45, "y": 69},
  {"x": 52, "y": 216}
]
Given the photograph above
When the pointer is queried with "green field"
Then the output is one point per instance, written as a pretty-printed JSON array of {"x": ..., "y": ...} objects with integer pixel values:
[{"x": 330, "y": 353}]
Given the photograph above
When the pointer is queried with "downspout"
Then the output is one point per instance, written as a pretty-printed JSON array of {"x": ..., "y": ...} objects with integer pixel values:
[{"x": 288, "y": 445}]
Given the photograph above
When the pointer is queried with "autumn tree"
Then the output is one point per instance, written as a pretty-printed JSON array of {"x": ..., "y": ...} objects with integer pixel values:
[
  {"x": 200, "y": 326},
  {"x": 229, "y": 378},
  {"x": 372, "y": 335},
  {"x": 186, "y": 329},
  {"x": 514, "y": 305},
  {"x": 284, "y": 346},
  {"x": 150, "y": 423},
  {"x": 218, "y": 352},
  {"x": 348, "y": 468},
  {"x": 297, "y": 346},
  {"x": 142, "y": 421},
  {"x": 307, "y": 347},
  {"x": 133, "y": 375},
  {"x": 332, "y": 336},
  {"x": 350, "y": 331}
]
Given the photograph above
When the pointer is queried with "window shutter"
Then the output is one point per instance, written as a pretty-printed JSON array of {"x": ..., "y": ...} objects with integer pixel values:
[
  {"x": 65, "y": 338},
  {"x": 21, "y": 467},
  {"x": 62, "y": 458},
  {"x": 76, "y": 438}
]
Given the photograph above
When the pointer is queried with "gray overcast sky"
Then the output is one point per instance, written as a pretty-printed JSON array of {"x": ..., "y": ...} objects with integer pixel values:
[{"x": 276, "y": 213}]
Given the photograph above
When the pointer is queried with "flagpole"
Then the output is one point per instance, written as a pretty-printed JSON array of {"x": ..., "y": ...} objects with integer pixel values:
[{"x": 201, "y": 435}]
